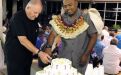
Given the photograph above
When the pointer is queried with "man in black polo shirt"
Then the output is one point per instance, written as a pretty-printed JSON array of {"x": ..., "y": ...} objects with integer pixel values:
[{"x": 20, "y": 40}]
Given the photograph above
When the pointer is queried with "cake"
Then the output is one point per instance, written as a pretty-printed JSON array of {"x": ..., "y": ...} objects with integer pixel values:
[{"x": 59, "y": 66}]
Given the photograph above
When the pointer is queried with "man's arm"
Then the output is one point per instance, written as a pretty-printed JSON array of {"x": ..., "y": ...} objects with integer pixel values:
[
  {"x": 50, "y": 41},
  {"x": 92, "y": 32},
  {"x": 91, "y": 43},
  {"x": 26, "y": 43}
]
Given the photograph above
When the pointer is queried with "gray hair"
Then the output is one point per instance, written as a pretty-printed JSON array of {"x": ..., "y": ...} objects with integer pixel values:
[{"x": 31, "y": 3}]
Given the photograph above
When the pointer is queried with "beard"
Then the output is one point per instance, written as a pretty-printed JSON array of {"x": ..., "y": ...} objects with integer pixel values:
[{"x": 69, "y": 14}]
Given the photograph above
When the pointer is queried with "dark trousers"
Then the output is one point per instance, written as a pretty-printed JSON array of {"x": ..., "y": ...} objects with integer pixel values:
[
  {"x": 96, "y": 62},
  {"x": 17, "y": 68}
]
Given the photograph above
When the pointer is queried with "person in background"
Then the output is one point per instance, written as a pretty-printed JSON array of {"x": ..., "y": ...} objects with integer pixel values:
[
  {"x": 112, "y": 58},
  {"x": 47, "y": 30},
  {"x": 42, "y": 37},
  {"x": 77, "y": 33},
  {"x": 118, "y": 36},
  {"x": 106, "y": 36},
  {"x": 98, "y": 49},
  {"x": 40, "y": 40},
  {"x": 111, "y": 35},
  {"x": 21, "y": 38}
]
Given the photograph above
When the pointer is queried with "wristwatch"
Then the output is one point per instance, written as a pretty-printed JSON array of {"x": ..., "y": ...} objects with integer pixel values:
[
  {"x": 38, "y": 52},
  {"x": 48, "y": 46}
]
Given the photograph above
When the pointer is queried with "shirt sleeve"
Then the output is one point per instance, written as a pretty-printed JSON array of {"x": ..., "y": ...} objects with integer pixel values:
[
  {"x": 52, "y": 29},
  {"x": 17, "y": 27},
  {"x": 91, "y": 28}
]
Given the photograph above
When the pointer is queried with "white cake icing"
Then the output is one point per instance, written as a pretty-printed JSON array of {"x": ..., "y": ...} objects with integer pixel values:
[{"x": 59, "y": 66}]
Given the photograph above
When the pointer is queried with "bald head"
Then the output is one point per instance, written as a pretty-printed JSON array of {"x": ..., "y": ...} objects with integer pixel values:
[
  {"x": 33, "y": 9},
  {"x": 70, "y": 6},
  {"x": 114, "y": 41}
]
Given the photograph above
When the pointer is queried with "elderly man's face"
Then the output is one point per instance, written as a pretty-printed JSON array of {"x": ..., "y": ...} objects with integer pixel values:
[
  {"x": 70, "y": 6},
  {"x": 35, "y": 10}
]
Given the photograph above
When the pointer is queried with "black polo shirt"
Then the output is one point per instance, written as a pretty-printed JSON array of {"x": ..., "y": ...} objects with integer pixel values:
[{"x": 20, "y": 25}]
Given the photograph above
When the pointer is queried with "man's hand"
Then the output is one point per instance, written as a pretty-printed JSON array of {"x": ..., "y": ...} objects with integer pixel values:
[
  {"x": 48, "y": 51},
  {"x": 84, "y": 59},
  {"x": 45, "y": 58}
]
